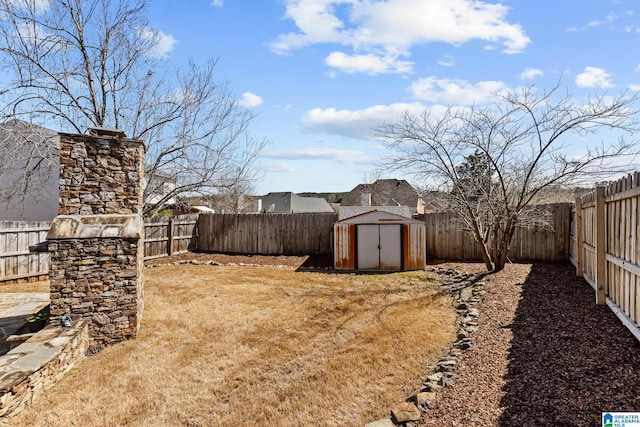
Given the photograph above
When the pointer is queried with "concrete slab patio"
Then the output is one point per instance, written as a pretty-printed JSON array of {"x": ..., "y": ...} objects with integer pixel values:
[{"x": 14, "y": 308}]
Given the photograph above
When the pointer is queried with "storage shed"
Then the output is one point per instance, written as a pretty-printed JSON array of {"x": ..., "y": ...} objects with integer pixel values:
[{"x": 378, "y": 238}]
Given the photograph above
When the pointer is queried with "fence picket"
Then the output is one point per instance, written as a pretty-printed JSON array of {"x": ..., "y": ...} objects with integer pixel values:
[
  {"x": 616, "y": 274},
  {"x": 446, "y": 238},
  {"x": 16, "y": 260},
  {"x": 270, "y": 234}
]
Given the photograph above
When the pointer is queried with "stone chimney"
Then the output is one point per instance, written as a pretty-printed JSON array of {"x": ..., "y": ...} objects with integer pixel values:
[{"x": 96, "y": 241}]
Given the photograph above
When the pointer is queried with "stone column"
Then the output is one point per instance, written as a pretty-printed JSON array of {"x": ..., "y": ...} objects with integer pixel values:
[{"x": 96, "y": 241}]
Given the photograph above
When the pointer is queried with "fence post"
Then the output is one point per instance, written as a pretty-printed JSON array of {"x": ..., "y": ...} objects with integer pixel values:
[
  {"x": 579, "y": 239},
  {"x": 170, "y": 234},
  {"x": 601, "y": 242}
]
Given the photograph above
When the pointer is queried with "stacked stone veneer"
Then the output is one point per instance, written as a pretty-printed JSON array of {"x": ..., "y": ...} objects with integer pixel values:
[
  {"x": 39, "y": 363},
  {"x": 100, "y": 175},
  {"x": 95, "y": 243}
]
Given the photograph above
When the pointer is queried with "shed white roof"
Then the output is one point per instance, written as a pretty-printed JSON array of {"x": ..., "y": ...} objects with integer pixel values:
[{"x": 351, "y": 211}]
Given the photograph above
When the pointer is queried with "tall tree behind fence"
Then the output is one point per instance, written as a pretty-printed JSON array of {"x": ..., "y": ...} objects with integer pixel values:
[
  {"x": 606, "y": 247},
  {"x": 165, "y": 236},
  {"x": 446, "y": 238},
  {"x": 16, "y": 260},
  {"x": 270, "y": 234}
]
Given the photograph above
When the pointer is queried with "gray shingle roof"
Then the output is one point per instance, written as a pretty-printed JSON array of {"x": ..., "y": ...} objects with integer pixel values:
[
  {"x": 384, "y": 192},
  {"x": 287, "y": 202}
]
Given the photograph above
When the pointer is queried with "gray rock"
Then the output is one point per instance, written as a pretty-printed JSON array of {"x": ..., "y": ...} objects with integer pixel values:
[
  {"x": 101, "y": 319},
  {"x": 385, "y": 422},
  {"x": 424, "y": 398},
  {"x": 469, "y": 320},
  {"x": 431, "y": 387},
  {"x": 447, "y": 363},
  {"x": 435, "y": 378},
  {"x": 403, "y": 412}
]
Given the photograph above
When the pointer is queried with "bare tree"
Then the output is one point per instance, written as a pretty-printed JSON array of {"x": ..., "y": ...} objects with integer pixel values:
[
  {"x": 75, "y": 64},
  {"x": 493, "y": 162}
]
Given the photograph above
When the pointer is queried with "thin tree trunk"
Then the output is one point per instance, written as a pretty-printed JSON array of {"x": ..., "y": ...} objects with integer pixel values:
[{"x": 505, "y": 245}]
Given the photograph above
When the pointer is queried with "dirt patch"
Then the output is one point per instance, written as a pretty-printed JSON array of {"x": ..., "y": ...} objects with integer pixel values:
[{"x": 290, "y": 261}]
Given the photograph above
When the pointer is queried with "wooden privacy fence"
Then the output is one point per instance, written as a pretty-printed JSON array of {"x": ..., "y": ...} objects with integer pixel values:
[
  {"x": 447, "y": 239},
  {"x": 605, "y": 246},
  {"x": 267, "y": 234},
  {"x": 16, "y": 260},
  {"x": 165, "y": 236}
]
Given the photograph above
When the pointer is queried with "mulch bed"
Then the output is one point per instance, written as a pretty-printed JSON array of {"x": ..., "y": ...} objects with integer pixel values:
[{"x": 544, "y": 355}]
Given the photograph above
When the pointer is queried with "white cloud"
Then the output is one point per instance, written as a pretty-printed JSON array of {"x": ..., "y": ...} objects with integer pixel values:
[
  {"x": 594, "y": 77},
  {"x": 279, "y": 168},
  {"x": 530, "y": 74},
  {"x": 455, "y": 91},
  {"x": 358, "y": 124},
  {"x": 634, "y": 87},
  {"x": 163, "y": 43},
  {"x": 607, "y": 20},
  {"x": 36, "y": 34},
  {"x": 369, "y": 63},
  {"x": 390, "y": 28},
  {"x": 38, "y": 6},
  {"x": 250, "y": 100},
  {"x": 447, "y": 61},
  {"x": 217, "y": 3},
  {"x": 314, "y": 153}
]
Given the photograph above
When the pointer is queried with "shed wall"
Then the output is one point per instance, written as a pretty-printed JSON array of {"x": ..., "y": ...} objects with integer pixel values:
[
  {"x": 413, "y": 248},
  {"x": 344, "y": 246}
]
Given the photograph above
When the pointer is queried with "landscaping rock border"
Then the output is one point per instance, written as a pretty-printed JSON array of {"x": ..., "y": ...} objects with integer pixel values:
[
  {"x": 239, "y": 264},
  {"x": 467, "y": 291}
]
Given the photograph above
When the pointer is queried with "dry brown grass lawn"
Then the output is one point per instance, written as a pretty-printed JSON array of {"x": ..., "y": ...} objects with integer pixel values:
[
  {"x": 41, "y": 286},
  {"x": 251, "y": 346}
]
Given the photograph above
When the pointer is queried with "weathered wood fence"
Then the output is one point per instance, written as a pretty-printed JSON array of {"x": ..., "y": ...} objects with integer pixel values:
[
  {"x": 16, "y": 260},
  {"x": 165, "y": 236},
  {"x": 446, "y": 238},
  {"x": 605, "y": 246},
  {"x": 271, "y": 234}
]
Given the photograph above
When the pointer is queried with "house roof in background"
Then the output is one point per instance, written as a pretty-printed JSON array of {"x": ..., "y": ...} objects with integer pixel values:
[
  {"x": 287, "y": 202},
  {"x": 384, "y": 192}
]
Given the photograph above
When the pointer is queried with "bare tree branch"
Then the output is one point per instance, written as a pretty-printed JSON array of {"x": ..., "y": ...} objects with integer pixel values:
[
  {"x": 495, "y": 161},
  {"x": 75, "y": 64}
]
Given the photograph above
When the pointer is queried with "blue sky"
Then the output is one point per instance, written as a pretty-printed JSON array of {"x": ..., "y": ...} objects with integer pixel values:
[{"x": 320, "y": 74}]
